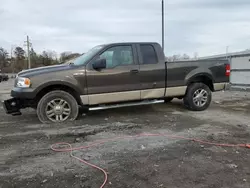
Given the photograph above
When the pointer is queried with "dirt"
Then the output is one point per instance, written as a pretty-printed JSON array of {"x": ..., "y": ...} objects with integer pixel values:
[{"x": 26, "y": 160}]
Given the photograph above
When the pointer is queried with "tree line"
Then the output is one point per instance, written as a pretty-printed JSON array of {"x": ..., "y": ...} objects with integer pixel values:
[{"x": 17, "y": 61}]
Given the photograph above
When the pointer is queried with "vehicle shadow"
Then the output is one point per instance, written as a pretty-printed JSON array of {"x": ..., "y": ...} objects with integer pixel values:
[{"x": 29, "y": 116}]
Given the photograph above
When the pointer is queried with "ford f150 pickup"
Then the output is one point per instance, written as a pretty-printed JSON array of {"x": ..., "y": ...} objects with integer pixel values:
[{"x": 116, "y": 75}]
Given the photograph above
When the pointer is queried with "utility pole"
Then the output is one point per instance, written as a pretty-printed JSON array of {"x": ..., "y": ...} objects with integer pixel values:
[
  {"x": 227, "y": 51},
  {"x": 163, "y": 24},
  {"x": 28, "y": 51}
]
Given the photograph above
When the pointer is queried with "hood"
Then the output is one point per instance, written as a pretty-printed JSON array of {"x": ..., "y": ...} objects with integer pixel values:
[{"x": 43, "y": 70}]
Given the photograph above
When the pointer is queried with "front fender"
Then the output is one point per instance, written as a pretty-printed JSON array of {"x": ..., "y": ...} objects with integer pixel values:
[{"x": 58, "y": 82}]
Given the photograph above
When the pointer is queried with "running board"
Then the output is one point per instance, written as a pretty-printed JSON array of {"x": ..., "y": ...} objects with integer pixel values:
[{"x": 126, "y": 105}]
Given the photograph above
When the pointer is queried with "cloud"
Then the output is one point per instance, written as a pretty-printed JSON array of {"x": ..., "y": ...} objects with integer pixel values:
[{"x": 206, "y": 27}]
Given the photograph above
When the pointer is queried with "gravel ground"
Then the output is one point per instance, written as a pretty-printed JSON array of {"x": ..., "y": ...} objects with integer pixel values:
[{"x": 26, "y": 160}]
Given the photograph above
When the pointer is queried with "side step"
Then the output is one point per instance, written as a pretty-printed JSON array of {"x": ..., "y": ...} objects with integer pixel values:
[{"x": 126, "y": 105}]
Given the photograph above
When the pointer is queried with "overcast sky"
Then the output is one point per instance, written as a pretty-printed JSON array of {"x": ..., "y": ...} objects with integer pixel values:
[{"x": 203, "y": 26}]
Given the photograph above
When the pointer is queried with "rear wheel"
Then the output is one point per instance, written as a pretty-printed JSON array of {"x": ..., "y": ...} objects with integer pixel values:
[
  {"x": 198, "y": 97},
  {"x": 57, "y": 106}
]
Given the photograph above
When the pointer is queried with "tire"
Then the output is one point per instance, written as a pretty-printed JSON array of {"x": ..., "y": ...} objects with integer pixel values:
[
  {"x": 60, "y": 103},
  {"x": 198, "y": 97},
  {"x": 169, "y": 99}
]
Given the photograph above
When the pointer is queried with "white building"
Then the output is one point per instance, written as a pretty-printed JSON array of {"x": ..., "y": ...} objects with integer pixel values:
[{"x": 240, "y": 68}]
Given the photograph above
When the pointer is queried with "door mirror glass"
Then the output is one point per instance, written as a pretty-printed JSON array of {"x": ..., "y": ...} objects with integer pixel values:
[{"x": 99, "y": 64}]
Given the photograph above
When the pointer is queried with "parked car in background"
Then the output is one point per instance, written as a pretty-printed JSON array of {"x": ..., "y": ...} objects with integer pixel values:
[{"x": 5, "y": 77}]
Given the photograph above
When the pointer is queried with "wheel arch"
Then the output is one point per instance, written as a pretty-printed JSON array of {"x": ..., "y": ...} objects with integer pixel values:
[
  {"x": 58, "y": 85},
  {"x": 204, "y": 77}
]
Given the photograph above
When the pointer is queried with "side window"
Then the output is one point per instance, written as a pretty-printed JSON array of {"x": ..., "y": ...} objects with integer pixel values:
[
  {"x": 118, "y": 56},
  {"x": 148, "y": 54}
]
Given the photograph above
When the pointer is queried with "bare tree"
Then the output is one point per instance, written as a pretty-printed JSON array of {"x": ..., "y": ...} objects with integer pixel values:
[
  {"x": 19, "y": 53},
  {"x": 185, "y": 56},
  {"x": 19, "y": 63},
  {"x": 196, "y": 55},
  {"x": 64, "y": 56},
  {"x": 3, "y": 58}
]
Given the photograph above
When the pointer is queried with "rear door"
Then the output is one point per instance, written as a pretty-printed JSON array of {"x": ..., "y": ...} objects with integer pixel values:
[
  {"x": 119, "y": 81},
  {"x": 152, "y": 71}
]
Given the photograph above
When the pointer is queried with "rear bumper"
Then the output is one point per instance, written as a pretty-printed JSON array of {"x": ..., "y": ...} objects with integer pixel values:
[
  {"x": 221, "y": 86},
  {"x": 227, "y": 86}
]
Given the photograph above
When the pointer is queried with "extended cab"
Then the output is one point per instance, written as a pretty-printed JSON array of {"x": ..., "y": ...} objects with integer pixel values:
[{"x": 116, "y": 75}]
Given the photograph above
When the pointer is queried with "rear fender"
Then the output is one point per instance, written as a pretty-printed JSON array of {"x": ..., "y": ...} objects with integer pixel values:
[{"x": 197, "y": 73}]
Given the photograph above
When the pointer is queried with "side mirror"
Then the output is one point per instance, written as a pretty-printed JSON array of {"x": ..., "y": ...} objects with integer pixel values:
[{"x": 99, "y": 64}]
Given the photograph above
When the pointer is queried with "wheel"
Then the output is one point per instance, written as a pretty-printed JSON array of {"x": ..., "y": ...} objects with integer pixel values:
[
  {"x": 169, "y": 99},
  {"x": 198, "y": 97},
  {"x": 57, "y": 106}
]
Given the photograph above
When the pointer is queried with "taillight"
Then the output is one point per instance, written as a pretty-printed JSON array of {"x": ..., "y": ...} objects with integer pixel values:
[{"x": 228, "y": 70}]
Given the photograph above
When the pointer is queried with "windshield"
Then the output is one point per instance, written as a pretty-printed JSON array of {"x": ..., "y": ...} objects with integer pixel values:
[{"x": 83, "y": 59}]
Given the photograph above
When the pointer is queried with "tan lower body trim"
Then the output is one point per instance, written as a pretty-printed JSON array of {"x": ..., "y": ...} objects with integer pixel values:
[
  {"x": 152, "y": 93},
  {"x": 219, "y": 86},
  {"x": 110, "y": 97},
  {"x": 139, "y": 95},
  {"x": 132, "y": 95},
  {"x": 176, "y": 91}
]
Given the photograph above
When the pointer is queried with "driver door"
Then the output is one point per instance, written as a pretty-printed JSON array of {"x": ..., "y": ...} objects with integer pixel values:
[{"x": 119, "y": 81}]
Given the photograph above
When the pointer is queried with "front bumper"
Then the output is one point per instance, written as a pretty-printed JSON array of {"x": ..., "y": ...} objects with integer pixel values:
[
  {"x": 21, "y": 98},
  {"x": 12, "y": 106},
  {"x": 23, "y": 93}
]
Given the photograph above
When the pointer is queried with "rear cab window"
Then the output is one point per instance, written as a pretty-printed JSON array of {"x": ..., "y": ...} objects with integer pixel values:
[{"x": 148, "y": 54}]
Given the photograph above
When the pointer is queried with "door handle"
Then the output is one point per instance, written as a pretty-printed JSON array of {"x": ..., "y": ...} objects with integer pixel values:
[{"x": 134, "y": 71}]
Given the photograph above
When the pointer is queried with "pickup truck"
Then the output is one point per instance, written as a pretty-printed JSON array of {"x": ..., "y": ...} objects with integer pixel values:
[{"x": 116, "y": 75}]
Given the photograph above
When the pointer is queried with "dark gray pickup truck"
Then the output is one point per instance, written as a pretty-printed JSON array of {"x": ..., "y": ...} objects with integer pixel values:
[{"x": 116, "y": 75}]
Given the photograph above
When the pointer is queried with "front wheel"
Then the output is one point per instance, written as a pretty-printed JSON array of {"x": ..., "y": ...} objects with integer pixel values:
[
  {"x": 57, "y": 106},
  {"x": 198, "y": 97}
]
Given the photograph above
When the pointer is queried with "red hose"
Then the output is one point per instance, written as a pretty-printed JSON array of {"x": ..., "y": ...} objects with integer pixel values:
[{"x": 55, "y": 147}]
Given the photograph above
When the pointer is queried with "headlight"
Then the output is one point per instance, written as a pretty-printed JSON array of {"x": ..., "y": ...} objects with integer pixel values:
[{"x": 23, "y": 82}]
